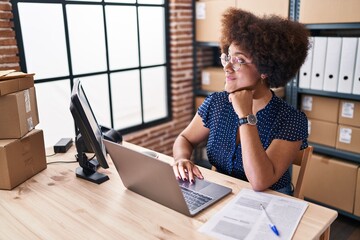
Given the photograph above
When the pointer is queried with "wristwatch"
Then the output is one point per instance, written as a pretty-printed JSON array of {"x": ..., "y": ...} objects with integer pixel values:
[{"x": 249, "y": 119}]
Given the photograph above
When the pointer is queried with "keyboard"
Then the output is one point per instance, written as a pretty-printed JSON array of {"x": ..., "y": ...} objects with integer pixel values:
[{"x": 194, "y": 199}]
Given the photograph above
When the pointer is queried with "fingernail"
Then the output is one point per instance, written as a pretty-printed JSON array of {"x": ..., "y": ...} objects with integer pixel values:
[
  {"x": 185, "y": 179},
  {"x": 179, "y": 178},
  {"x": 192, "y": 181}
]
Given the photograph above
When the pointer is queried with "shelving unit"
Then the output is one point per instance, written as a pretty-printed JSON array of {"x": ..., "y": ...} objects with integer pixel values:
[
  {"x": 209, "y": 46},
  {"x": 328, "y": 30},
  {"x": 351, "y": 29},
  {"x": 292, "y": 91},
  {"x": 345, "y": 155}
]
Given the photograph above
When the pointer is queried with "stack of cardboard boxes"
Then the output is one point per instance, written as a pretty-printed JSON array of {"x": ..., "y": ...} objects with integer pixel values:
[
  {"x": 333, "y": 123},
  {"x": 22, "y": 150}
]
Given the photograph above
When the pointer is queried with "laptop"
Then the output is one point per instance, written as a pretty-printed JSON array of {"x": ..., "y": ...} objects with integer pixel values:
[{"x": 154, "y": 179}]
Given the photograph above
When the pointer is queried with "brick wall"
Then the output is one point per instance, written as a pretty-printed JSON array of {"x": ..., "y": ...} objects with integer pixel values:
[
  {"x": 8, "y": 48},
  {"x": 159, "y": 138}
]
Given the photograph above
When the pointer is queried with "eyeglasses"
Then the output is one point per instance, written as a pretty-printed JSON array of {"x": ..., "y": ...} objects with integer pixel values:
[{"x": 235, "y": 61}]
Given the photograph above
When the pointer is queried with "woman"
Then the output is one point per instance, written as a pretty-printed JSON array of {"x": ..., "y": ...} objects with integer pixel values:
[{"x": 251, "y": 133}]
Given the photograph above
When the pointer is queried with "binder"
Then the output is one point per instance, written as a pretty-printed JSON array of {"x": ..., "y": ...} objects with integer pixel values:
[
  {"x": 305, "y": 69},
  {"x": 356, "y": 87},
  {"x": 347, "y": 65},
  {"x": 318, "y": 64},
  {"x": 332, "y": 64}
]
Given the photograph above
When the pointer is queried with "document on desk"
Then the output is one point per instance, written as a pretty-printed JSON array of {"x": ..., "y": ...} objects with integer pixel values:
[{"x": 243, "y": 218}]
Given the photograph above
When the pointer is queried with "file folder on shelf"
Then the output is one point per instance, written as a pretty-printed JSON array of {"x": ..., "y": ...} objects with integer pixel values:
[
  {"x": 332, "y": 64},
  {"x": 347, "y": 65},
  {"x": 305, "y": 70},
  {"x": 356, "y": 86},
  {"x": 318, "y": 64}
]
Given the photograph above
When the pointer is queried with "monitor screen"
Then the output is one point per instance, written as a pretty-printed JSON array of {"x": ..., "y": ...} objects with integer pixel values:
[{"x": 89, "y": 137}]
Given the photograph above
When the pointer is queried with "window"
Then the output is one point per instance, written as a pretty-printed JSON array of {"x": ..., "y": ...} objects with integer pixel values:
[{"x": 117, "y": 48}]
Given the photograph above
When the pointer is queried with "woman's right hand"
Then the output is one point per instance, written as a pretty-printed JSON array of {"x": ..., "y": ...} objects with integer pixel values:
[
  {"x": 184, "y": 144},
  {"x": 186, "y": 170},
  {"x": 242, "y": 102}
]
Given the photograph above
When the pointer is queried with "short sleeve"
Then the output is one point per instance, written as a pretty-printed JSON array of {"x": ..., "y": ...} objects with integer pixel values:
[
  {"x": 294, "y": 127},
  {"x": 204, "y": 110}
]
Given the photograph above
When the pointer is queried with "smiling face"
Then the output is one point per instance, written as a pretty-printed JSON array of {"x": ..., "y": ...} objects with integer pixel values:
[{"x": 246, "y": 76}]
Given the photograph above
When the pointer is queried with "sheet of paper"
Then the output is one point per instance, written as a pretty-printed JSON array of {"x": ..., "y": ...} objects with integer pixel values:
[{"x": 242, "y": 218}]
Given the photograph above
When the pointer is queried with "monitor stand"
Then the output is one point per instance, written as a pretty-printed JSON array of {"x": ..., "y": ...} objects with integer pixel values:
[{"x": 88, "y": 168}]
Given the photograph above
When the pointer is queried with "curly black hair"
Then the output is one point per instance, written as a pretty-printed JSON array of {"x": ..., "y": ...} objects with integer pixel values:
[{"x": 278, "y": 46}]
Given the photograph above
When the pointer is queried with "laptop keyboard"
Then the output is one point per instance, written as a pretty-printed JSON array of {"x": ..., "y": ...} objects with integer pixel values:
[{"x": 194, "y": 199}]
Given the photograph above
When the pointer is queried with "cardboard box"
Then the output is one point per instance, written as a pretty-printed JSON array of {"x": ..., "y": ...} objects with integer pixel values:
[
  {"x": 16, "y": 84},
  {"x": 213, "y": 79},
  {"x": 329, "y": 11},
  {"x": 208, "y": 19},
  {"x": 348, "y": 138},
  {"x": 20, "y": 159},
  {"x": 357, "y": 196},
  {"x": 21, "y": 113},
  {"x": 349, "y": 113},
  {"x": 320, "y": 108},
  {"x": 262, "y": 7},
  {"x": 322, "y": 132},
  {"x": 331, "y": 182}
]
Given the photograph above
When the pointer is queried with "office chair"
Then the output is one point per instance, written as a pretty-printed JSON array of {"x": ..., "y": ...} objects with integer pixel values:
[{"x": 301, "y": 160}]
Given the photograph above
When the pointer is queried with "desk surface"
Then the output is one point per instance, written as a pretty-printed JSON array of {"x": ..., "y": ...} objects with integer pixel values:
[{"x": 55, "y": 204}]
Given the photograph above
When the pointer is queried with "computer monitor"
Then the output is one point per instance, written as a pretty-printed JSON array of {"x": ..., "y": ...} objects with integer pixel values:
[{"x": 89, "y": 137}]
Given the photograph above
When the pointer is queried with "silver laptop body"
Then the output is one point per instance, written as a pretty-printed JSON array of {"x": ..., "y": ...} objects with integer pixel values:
[{"x": 155, "y": 179}]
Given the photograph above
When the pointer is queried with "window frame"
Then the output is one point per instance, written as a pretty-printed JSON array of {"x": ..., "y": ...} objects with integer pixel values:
[{"x": 108, "y": 72}]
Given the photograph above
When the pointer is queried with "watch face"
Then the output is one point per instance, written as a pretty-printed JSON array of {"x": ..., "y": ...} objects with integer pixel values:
[{"x": 252, "y": 119}]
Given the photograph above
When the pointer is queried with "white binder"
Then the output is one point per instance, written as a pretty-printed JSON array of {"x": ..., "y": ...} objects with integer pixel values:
[
  {"x": 318, "y": 64},
  {"x": 347, "y": 65},
  {"x": 332, "y": 64},
  {"x": 305, "y": 70},
  {"x": 356, "y": 86}
]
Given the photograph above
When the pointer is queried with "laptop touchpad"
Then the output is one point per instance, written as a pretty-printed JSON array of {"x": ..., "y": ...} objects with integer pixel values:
[{"x": 199, "y": 184}]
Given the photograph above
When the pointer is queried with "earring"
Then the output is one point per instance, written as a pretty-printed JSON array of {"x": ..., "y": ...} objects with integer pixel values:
[{"x": 263, "y": 77}]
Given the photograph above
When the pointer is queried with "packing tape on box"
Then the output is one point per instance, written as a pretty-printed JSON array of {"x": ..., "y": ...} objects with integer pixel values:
[
  {"x": 30, "y": 124},
  {"x": 27, "y": 100},
  {"x": 27, "y": 156}
]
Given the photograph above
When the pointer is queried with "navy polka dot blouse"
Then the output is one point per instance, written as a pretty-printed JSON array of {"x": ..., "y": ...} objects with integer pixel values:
[{"x": 277, "y": 120}]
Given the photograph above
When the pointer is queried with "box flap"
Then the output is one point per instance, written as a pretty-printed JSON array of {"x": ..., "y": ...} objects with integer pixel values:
[{"x": 11, "y": 74}]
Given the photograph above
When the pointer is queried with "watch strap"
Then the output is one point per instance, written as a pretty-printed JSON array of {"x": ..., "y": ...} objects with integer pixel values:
[
  {"x": 243, "y": 121},
  {"x": 249, "y": 119}
]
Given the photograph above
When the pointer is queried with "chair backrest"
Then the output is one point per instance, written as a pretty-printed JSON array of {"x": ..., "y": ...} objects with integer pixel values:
[{"x": 301, "y": 160}]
